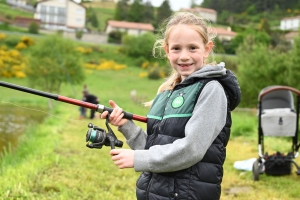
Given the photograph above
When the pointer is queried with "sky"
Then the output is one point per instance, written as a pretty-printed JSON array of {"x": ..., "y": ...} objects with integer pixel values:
[{"x": 175, "y": 4}]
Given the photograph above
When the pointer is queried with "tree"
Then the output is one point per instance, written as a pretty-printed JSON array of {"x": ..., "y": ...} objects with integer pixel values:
[
  {"x": 148, "y": 14},
  {"x": 193, "y": 4},
  {"x": 54, "y": 61},
  {"x": 136, "y": 11},
  {"x": 92, "y": 17},
  {"x": 121, "y": 11},
  {"x": 294, "y": 67},
  {"x": 163, "y": 12}
]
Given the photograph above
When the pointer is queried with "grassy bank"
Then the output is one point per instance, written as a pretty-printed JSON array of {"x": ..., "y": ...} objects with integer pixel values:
[{"x": 52, "y": 161}]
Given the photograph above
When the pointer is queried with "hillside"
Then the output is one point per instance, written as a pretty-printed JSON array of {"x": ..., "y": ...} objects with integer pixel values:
[{"x": 106, "y": 10}]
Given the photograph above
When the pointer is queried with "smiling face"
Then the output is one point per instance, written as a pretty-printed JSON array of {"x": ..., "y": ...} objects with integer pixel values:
[{"x": 186, "y": 50}]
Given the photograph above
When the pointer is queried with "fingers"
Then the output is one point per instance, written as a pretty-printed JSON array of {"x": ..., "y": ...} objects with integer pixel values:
[
  {"x": 116, "y": 116},
  {"x": 112, "y": 104},
  {"x": 123, "y": 158}
]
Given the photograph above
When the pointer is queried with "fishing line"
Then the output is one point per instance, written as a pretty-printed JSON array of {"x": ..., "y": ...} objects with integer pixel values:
[{"x": 32, "y": 109}]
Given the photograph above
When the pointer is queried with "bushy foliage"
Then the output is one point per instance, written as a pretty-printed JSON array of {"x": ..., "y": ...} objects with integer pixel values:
[
  {"x": 12, "y": 41},
  {"x": 12, "y": 63},
  {"x": 54, "y": 61},
  {"x": 115, "y": 37},
  {"x": 257, "y": 37},
  {"x": 79, "y": 34},
  {"x": 139, "y": 46},
  {"x": 260, "y": 66},
  {"x": 33, "y": 28}
]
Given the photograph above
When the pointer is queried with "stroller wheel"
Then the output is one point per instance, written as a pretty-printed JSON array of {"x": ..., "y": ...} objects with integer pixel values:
[{"x": 256, "y": 170}]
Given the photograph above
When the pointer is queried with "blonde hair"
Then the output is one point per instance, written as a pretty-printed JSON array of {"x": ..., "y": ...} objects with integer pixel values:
[{"x": 201, "y": 25}]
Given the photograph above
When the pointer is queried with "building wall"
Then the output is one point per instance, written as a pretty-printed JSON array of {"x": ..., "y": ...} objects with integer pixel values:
[
  {"x": 210, "y": 16},
  {"x": 60, "y": 14},
  {"x": 290, "y": 24},
  {"x": 75, "y": 15}
]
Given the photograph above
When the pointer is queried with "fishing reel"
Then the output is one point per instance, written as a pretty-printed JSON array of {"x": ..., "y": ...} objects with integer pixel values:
[{"x": 97, "y": 137}]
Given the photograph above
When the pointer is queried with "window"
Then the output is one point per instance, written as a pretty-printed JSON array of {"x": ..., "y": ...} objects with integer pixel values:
[
  {"x": 51, "y": 18},
  {"x": 43, "y": 18},
  {"x": 61, "y": 11},
  {"x": 79, "y": 11},
  {"x": 51, "y": 10},
  {"x": 61, "y": 20},
  {"x": 43, "y": 9}
]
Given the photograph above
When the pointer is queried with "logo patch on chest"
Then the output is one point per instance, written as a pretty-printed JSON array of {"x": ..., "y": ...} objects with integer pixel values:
[{"x": 178, "y": 101}]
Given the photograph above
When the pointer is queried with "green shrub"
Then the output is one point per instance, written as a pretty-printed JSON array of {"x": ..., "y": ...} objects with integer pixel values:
[
  {"x": 115, "y": 37},
  {"x": 78, "y": 34},
  {"x": 33, "y": 28},
  {"x": 139, "y": 46},
  {"x": 12, "y": 41}
]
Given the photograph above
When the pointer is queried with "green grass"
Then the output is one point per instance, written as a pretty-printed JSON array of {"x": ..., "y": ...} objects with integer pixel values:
[
  {"x": 52, "y": 161},
  {"x": 8, "y": 12}
]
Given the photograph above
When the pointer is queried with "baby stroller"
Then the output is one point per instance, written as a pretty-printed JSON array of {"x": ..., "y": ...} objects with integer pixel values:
[{"x": 278, "y": 118}]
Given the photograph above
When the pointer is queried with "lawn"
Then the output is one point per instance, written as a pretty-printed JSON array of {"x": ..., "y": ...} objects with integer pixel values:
[{"x": 52, "y": 161}]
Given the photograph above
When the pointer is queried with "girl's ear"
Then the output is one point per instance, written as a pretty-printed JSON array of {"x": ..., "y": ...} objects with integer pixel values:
[
  {"x": 208, "y": 47},
  {"x": 166, "y": 50}
]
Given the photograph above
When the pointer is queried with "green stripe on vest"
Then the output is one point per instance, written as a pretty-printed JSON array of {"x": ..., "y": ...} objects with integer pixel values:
[{"x": 177, "y": 103}]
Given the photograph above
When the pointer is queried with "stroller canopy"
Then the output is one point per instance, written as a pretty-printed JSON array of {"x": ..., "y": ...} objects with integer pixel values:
[{"x": 276, "y": 99}]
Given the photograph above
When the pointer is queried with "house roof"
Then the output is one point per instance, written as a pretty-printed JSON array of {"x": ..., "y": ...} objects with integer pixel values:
[
  {"x": 130, "y": 25},
  {"x": 223, "y": 31},
  {"x": 199, "y": 9},
  {"x": 287, "y": 18}
]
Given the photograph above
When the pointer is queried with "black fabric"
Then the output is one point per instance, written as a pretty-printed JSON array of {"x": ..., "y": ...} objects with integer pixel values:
[
  {"x": 201, "y": 181},
  {"x": 232, "y": 88}
]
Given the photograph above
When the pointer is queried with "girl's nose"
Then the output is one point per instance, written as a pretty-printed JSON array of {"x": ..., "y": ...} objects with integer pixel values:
[{"x": 184, "y": 55}]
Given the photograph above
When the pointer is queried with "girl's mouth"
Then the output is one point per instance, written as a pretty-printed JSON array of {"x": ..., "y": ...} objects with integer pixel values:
[{"x": 185, "y": 65}]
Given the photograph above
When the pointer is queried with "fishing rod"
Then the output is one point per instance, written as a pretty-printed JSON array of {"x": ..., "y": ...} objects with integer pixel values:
[
  {"x": 97, "y": 107},
  {"x": 96, "y": 137}
]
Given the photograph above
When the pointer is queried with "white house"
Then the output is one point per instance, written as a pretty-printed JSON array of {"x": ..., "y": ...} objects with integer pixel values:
[
  {"x": 132, "y": 28},
  {"x": 224, "y": 34},
  {"x": 206, "y": 13},
  {"x": 64, "y": 15},
  {"x": 290, "y": 23}
]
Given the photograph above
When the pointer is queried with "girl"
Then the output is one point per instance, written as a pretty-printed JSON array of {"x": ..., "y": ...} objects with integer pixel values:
[{"x": 183, "y": 150}]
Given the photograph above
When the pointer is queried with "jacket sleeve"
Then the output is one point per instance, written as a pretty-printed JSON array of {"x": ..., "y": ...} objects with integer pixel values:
[
  {"x": 135, "y": 136},
  {"x": 207, "y": 121}
]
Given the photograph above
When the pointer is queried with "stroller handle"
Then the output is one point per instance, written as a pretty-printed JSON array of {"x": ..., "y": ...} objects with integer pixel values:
[{"x": 278, "y": 88}]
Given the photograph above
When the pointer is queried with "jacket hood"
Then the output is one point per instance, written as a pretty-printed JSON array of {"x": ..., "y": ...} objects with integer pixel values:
[{"x": 224, "y": 76}]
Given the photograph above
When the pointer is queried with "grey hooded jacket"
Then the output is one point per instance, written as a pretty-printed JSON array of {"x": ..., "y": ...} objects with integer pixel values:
[{"x": 201, "y": 130}]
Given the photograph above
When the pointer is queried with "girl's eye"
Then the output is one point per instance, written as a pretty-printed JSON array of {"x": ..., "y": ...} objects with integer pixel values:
[
  {"x": 175, "y": 48},
  {"x": 193, "y": 48}
]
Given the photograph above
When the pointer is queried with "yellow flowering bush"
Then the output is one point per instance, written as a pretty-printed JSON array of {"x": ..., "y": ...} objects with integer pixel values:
[
  {"x": 2, "y": 36},
  {"x": 27, "y": 40},
  {"x": 145, "y": 64},
  {"x": 156, "y": 71},
  {"x": 143, "y": 74},
  {"x": 21, "y": 45},
  {"x": 12, "y": 63},
  {"x": 83, "y": 50},
  {"x": 3, "y": 47},
  {"x": 105, "y": 65}
]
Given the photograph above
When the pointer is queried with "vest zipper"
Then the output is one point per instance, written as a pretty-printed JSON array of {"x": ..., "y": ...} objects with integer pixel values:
[{"x": 157, "y": 126}]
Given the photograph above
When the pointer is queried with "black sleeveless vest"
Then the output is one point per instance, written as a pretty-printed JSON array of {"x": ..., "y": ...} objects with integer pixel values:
[{"x": 167, "y": 118}]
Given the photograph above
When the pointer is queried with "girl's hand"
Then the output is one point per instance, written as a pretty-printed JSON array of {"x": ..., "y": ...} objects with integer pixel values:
[
  {"x": 124, "y": 158},
  {"x": 116, "y": 117}
]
